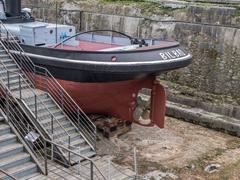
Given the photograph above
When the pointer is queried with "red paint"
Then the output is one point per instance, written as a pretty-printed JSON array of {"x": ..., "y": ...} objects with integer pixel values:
[
  {"x": 88, "y": 46},
  {"x": 158, "y": 104},
  {"x": 117, "y": 99}
]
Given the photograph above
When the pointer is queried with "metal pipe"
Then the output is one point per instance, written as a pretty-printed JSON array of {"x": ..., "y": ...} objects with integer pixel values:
[
  {"x": 8, "y": 80},
  {"x": 35, "y": 96},
  {"x": 69, "y": 146},
  {"x": 91, "y": 170},
  {"x": 45, "y": 158},
  {"x": 20, "y": 86}
]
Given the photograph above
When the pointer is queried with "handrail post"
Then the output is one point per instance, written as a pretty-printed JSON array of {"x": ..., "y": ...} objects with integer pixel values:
[
  {"x": 7, "y": 106},
  {"x": 69, "y": 147},
  {"x": 20, "y": 86},
  {"x": 79, "y": 163},
  {"x": 46, "y": 83},
  {"x": 91, "y": 170},
  {"x": 1, "y": 31},
  {"x": 21, "y": 60},
  {"x": 35, "y": 96},
  {"x": 62, "y": 103},
  {"x": 95, "y": 138},
  {"x": 52, "y": 124},
  {"x": 35, "y": 78},
  {"x": 78, "y": 117},
  {"x": 52, "y": 136},
  {"x": 8, "y": 80},
  {"x": 8, "y": 49},
  {"x": 45, "y": 158}
]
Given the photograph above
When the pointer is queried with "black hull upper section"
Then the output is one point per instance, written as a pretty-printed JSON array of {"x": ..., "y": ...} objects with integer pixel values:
[{"x": 96, "y": 66}]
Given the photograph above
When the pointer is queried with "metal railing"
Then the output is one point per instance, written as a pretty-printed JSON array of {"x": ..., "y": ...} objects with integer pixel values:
[
  {"x": 38, "y": 103},
  {"x": 41, "y": 78},
  {"x": 7, "y": 174},
  {"x": 43, "y": 149}
]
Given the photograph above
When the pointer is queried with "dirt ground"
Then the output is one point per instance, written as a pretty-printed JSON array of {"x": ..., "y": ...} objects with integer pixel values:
[{"x": 180, "y": 151}]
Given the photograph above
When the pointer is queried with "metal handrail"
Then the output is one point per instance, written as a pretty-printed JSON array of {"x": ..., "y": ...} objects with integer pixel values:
[
  {"x": 11, "y": 111},
  {"x": 7, "y": 174},
  {"x": 36, "y": 100},
  {"x": 25, "y": 61}
]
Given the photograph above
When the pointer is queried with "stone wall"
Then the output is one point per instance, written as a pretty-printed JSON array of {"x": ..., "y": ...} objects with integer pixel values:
[
  {"x": 212, "y": 15},
  {"x": 218, "y": 1},
  {"x": 211, "y": 34}
]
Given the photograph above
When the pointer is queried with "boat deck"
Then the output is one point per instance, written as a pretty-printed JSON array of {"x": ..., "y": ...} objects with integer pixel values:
[{"x": 89, "y": 46}]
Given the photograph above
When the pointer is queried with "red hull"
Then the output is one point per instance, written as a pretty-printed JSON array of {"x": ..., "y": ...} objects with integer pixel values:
[{"x": 118, "y": 98}]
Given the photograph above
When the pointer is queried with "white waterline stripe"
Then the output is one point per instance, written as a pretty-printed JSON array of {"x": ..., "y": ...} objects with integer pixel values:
[{"x": 188, "y": 56}]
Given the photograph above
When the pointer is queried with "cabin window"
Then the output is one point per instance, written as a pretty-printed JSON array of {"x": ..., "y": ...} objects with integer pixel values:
[
  {"x": 51, "y": 31},
  {"x": 70, "y": 30}
]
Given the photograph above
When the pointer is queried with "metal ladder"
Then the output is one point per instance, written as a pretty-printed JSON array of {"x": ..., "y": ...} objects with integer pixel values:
[{"x": 44, "y": 99}]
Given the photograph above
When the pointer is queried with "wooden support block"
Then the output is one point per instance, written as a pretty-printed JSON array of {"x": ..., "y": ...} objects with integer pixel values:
[{"x": 111, "y": 127}]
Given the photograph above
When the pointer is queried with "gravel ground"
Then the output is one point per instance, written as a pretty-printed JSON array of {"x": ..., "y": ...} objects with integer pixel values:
[{"x": 180, "y": 151}]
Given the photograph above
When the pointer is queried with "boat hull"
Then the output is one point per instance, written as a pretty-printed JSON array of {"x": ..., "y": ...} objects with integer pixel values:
[
  {"x": 118, "y": 99},
  {"x": 100, "y": 85},
  {"x": 95, "y": 67}
]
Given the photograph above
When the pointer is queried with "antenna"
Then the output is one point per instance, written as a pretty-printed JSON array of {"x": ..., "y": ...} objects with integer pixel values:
[{"x": 56, "y": 22}]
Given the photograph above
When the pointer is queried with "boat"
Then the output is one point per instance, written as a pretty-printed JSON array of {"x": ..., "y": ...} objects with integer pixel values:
[{"x": 102, "y": 70}]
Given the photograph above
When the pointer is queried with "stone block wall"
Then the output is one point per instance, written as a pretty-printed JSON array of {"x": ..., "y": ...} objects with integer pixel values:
[{"x": 211, "y": 34}]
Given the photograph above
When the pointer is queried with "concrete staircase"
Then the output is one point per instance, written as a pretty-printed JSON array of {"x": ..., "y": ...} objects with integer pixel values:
[
  {"x": 50, "y": 117},
  {"x": 41, "y": 106},
  {"x": 61, "y": 126},
  {"x": 14, "y": 158}
]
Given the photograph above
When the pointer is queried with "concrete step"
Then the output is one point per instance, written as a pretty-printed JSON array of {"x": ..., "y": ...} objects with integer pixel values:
[
  {"x": 47, "y": 114},
  {"x": 65, "y": 124},
  {"x": 15, "y": 83},
  {"x": 2, "y": 51},
  {"x": 84, "y": 149},
  {"x": 204, "y": 118},
  {"x": 89, "y": 155},
  {"x": 21, "y": 171},
  {"x": 78, "y": 142},
  {"x": 1, "y": 119},
  {"x": 60, "y": 133},
  {"x": 3, "y": 55},
  {"x": 60, "y": 118},
  {"x": 4, "y": 129},
  {"x": 14, "y": 160},
  {"x": 16, "y": 87},
  {"x": 30, "y": 98},
  {"x": 34, "y": 176},
  {"x": 12, "y": 76},
  {"x": 10, "y": 66},
  {"x": 76, "y": 139},
  {"x": 3, "y": 72},
  {"x": 7, "y": 139},
  {"x": 10, "y": 149},
  {"x": 45, "y": 107},
  {"x": 7, "y": 60},
  {"x": 45, "y": 101}
]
